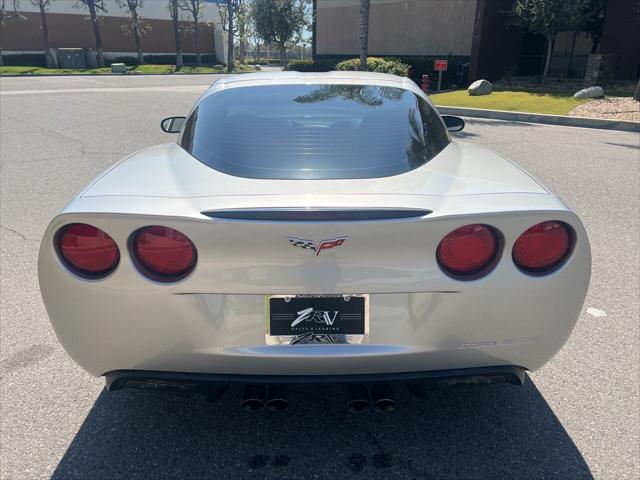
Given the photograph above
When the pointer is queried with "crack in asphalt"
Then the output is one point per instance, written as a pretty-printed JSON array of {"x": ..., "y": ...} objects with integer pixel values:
[{"x": 17, "y": 233}]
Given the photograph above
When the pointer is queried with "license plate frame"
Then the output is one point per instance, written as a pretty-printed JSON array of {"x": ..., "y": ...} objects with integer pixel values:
[{"x": 348, "y": 324}]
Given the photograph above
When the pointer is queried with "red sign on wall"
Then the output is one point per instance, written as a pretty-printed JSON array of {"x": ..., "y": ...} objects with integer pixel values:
[{"x": 441, "y": 65}]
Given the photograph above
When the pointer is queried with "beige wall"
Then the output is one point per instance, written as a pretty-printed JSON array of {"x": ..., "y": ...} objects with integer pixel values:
[
  {"x": 397, "y": 27},
  {"x": 66, "y": 30}
]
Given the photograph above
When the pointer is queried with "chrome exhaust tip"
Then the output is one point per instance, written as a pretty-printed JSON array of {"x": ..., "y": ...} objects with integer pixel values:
[
  {"x": 382, "y": 398},
  {"x": 253, "y": 398},
  {"x": 358, "y": 400},
  {"x": 277, "y": 398}
]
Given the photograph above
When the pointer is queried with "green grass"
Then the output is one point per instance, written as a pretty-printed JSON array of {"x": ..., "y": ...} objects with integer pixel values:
[
  {"x": 51, "y": 71},
  {"x": 163, "y": 69},
  {"x": 553, "y": 103}
]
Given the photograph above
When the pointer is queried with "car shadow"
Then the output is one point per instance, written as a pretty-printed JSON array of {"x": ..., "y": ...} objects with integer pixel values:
[
  {"x": 463, "y": 134},
  {"x": 625, "y": 145},
  {"x": 497, "y": 431},
  {"x": 488, "y": 122}
]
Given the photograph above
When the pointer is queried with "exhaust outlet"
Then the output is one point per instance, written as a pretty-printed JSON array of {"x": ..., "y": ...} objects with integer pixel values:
[
  {"x": 277, "y": 398},
  {"x": 358, "y": 398},
  {"x": 382, "y": 398},
  {"x": 253, "y": 398},
  {"x": 214, "y": 393}
]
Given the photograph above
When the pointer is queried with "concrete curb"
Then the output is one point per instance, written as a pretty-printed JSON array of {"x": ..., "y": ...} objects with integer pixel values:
[
  {"x": 621, "y": 125},
  {"x": 39, "y": 75},
  {"x": 132, "y": 74}
]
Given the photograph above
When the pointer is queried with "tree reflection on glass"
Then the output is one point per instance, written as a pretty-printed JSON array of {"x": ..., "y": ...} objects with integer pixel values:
[{"x": 371, "y": 96}]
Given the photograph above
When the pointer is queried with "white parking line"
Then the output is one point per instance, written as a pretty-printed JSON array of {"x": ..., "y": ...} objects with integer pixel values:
[
  {"x": 596, "y": 312},
  {"x": 174, "y": 88}
]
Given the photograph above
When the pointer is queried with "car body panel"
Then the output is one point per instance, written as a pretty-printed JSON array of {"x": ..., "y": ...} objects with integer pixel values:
[
  {"x": 414, "y": 305},
  {"x": 213, "y": 321},
  {"x": 169, "y": 171}
]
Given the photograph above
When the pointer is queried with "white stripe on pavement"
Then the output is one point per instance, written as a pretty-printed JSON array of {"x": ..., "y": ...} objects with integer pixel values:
[{"x": 174, "y": 88}]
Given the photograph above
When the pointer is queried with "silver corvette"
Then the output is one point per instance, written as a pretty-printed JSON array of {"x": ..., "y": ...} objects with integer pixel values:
[{"x": 313, "y": 228}]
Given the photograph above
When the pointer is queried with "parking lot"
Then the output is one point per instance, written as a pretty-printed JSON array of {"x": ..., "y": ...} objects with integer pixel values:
[{"x": 578, "y": 417}]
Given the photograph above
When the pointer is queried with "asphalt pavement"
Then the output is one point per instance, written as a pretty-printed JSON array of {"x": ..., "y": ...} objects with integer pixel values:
[{"x": 577, "y": 418}]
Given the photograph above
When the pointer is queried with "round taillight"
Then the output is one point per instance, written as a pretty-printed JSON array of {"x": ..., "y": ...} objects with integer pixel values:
[
  {"x": 468, "y": 250},
  {"x": 164, "y": 253},
  {"x": 87, "y": 250},
  {"x": 542, "y": 247}
]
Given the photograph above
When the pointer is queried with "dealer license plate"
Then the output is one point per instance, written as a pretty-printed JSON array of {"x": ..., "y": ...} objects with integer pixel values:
[{"x": 295, "y": 315}]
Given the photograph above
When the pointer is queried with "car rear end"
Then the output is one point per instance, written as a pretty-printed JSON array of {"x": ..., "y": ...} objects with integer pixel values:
[
  {"x": 339, "y": 246},
  {"x": 214, "y": 315}
]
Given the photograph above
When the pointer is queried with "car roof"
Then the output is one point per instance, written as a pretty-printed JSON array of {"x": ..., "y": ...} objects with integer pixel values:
[
  {"x": 301, "y": 78},
  {"x": 305, "y": 77}
]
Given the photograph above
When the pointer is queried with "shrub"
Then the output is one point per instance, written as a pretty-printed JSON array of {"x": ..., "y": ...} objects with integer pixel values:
[
  {"x": 24, "y": 59},
  {"x": 189, "y": 60},
  {"x": 311, "y": 66},
  {"x": 301, "y": 65},
  {"x": 424, "y": 65},
  {"x": 377, "y": 64},
  {"x": 419, "y": 65}
]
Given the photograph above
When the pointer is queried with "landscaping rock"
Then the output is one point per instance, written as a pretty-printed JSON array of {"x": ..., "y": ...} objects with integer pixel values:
[
  {"x": 610, "y": 108},
  {"x": 218, "y": 66},
  {"x": 591, "y": 92},
  {"x": 257, "y": 67},
  {"x": 480, "y": 87},
  {"x": 118, "y": 68}
]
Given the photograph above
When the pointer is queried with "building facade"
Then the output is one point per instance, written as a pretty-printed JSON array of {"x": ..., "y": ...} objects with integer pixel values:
[
  {"x": 396, "y": 27},
  {"x": 478, "y": 34},
  {"x": 69, "y": 26}
]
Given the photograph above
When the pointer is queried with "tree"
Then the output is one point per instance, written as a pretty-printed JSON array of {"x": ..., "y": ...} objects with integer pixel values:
[
  {"x": 175, "y": 16},
  {"x": 94, "y": 6},
  {"x": 243, "y": 20},
  {"x": 363, "y": 94},
  {"x": 227, "y": 20},
  {"x": 253, "y": 39},
  {"x": 594, "y": 11},
  {"x": 5, "y": 17},
  {"x": 636, "y": 96},
  {"x": 241, "y": 26},
  {"x": 365, "y": 6},
  {"x": 589, "y": 20},
  {"x": 278, "y": 21},
  {"x": 49, "y": 57},
  {"x": 548, "y": 18},
  {"x": 136, "y": 26},
  {"x": 302, "y": 40},
  {"x": 194, "y": 7}
]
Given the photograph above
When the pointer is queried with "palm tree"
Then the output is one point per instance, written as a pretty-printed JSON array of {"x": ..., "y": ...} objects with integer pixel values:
[
  {"x": 94, "y": 6},
  {"x": 175, "y": 16},
  {"x": 194, "y": 7},
  {"x": 363, "y": 94},
  {"x": 232, "y": 7},
  {"x": 364, "y": 32},
  {"x": 49, "y": 58},
  {"x": 136, "y": 26}
]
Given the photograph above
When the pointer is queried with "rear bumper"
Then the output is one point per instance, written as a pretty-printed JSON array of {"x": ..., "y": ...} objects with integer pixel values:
[
  {"x": 225, "y": 334},
  {"x": 214, "y": 321},
  {"x": 155, "y": 380}
]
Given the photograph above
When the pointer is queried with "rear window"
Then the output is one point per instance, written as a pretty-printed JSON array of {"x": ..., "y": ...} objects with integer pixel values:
[{"x": 314, "y": 131}]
